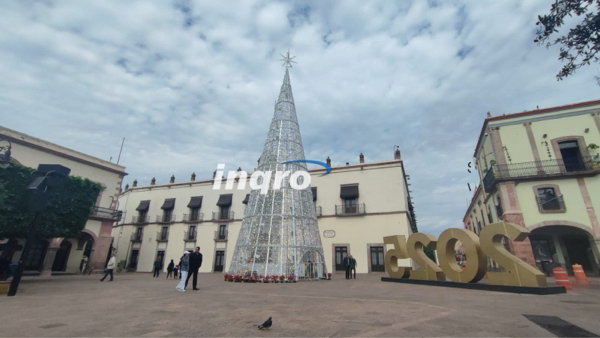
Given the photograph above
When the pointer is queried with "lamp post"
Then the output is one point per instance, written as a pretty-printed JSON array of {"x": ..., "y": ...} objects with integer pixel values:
[{"x": 37, "y": 198}]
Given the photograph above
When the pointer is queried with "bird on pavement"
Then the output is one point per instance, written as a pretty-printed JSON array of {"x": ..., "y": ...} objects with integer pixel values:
[{"x": 267, "y": 324}]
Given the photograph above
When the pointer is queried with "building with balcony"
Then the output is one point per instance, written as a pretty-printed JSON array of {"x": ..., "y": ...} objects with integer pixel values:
[
  {"x": 357, "y": 205},
  {"x": 541, "y": 169},
  {"x": 67, "y": 255}
]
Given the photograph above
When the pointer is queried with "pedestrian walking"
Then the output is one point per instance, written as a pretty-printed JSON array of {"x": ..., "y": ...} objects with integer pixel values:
[
  {"x": 109, "y": 268},
  {"x": 157, "y": 267},
  {"x": 346, "y": 263},
  {"x": 352, "y": 267},
  {"x": 184, "y": 266},
  {"x": 195, "y": 264},
  {"x": 170, "y": 269}
]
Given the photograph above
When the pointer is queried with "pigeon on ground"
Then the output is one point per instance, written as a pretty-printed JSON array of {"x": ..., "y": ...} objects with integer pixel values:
[{"x": 267, "y": 324}]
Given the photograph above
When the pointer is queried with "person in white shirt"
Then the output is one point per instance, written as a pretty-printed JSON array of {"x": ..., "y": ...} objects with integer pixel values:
[{"x": 109, "y": 268}]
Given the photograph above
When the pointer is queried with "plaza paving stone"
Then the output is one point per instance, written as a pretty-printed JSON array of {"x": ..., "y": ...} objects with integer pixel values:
[{"x": 136, "y": 304}]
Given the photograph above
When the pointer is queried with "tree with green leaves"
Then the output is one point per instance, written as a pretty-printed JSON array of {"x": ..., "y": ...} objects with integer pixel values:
[
  {"x": 580, "y": 46},
  {"x": 64, "y": 215}
]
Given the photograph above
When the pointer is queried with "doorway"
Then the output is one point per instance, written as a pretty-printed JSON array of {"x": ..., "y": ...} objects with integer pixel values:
[
  {"x": 37, "y": 253},
  {"x": 377, "y": 264},
  {"x": 219, "y": 261},
  {"x": 134, "y": 258},
  {"x": 579, "y": 252},
  {"x": 571, "y": 156},
  {"x": 62, "y": 256}
]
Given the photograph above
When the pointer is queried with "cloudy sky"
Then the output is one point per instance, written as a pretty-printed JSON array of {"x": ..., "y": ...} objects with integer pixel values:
[{"x": 191, "y": 84}]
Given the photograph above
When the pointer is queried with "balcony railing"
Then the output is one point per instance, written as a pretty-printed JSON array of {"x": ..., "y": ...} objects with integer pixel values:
[
  {"x": 140, "y": 220},
  {"x": 551, "y": 204},
  {"x": 136, "y": 237},
  {"x": 165, "y": 218},
  {"x": 344, "y": 210},
  {"x": 189, "y": 236},
  {"x": 222, "y": 216},
  {"x": 193, "y": 218},
  {"x": 538, "y": 169},
  {"x": 162, "y": 237},
  {"x": 318, "y": 211},
  {"x": 220, "y": 236},
  {"x": 105, "y": 213}
]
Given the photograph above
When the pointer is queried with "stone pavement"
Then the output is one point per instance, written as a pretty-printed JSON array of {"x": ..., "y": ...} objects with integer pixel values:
[{"x": 137, "y": 304}]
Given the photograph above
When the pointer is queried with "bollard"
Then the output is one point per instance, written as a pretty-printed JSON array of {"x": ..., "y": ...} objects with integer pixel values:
[
  {"x": 580, "y": 277},
  {"x": 561, "y": 278}
]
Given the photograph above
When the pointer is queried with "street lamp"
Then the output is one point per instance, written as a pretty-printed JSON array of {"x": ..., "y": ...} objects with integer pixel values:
[
  {"x": 5, "y": 154},
  {"x": 53, "y": 174}
]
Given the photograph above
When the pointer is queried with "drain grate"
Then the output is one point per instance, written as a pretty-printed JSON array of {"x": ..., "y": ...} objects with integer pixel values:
[{"x": 559, "y": 327}]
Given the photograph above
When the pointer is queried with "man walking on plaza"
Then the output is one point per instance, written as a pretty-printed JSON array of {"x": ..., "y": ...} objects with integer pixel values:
[
  {"x": 109, "y": 268},
  {"x": 195, "y": 264},
  {"x": 157, "y": 267},
  {"x": 170, "y": 269},
  {"x": 352, "y": 267},
  {"x": 346, "y": 262},
  {"x": 183, "y": 265}
]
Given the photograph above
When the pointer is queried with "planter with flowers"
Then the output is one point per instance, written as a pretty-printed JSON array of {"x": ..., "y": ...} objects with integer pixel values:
[{"x": 237, "y": 278}]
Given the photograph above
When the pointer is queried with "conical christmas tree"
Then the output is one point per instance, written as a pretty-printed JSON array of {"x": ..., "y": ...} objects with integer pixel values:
[{"x": 280, "y": 235}]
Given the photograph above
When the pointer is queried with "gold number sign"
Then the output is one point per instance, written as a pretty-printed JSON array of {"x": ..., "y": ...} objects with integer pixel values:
[
  {"x": 517, "y": 272},
  {"x": 427, "y": 268},
  {"x": 392, "y": 256},
  {"x": 477, "y": 249},
  {"x": 476, "y": 260}
]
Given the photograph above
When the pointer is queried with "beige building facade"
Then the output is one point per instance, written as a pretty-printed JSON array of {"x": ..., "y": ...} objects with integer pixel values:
[
  {"x": 357, "y": 205},
  {"x": 541, "y": 169},
  {"x": 68, "y": 255}
]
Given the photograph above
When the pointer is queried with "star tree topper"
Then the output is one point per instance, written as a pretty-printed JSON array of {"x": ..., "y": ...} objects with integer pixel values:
[{"x": 287, "y": 60}]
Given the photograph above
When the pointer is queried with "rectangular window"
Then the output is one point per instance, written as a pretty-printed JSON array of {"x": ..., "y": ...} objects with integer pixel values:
[
  {"x": 224, "y": 212},
  {"x": 340, "y": 253},
  {"x": 350, "y": 206},
  {"x": 164, "y": 233},
  {"x": 377, "y": 264},
  {"x": 167, "y": 215},
  {"x": 222, "y": 231},
  {"x": 548, "y": 200},
  {"x": 192, "y": 232},
  {"x": 194, "y": 212},
  {"x": 142, "y": 216},
  {"x": 139, "y": 233}
]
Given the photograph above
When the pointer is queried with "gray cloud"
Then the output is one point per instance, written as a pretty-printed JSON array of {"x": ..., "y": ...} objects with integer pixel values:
[{"x": 192, "y": 83}]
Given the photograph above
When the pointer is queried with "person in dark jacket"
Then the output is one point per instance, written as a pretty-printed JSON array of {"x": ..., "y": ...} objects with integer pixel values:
[
  {"x": 157, "y": 267},
  {"x": 195, "y": 264},
  {"x": 170, "y": 268},
  {"x": 346, "y": 262}
]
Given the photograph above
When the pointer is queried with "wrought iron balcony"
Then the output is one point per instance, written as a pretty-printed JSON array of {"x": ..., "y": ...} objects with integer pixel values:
[
  {"x": 537, "y": 170},
  {"x": 199, "y": 217},
  {"x": 548, "y": 204},
  {"x": 318, "y": 211},
  {"x": 189, "y": 236},
  {"x": 354, "y": 210},
  {"x": 162, "y": 237},
  {"x": 137, "y": 237},
  {"x": 222, "y": 216},
  {"x": 165, "y": 218},
  {"x": 220, "y": 236},
  {"x": 105, "y": 213},
  {"x": 140, "y": 220}
]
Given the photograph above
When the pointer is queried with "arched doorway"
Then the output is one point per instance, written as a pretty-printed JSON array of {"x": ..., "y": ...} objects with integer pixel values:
[
  {"x": 85, "y": 242},
  {"x": 62, "y": 256},
  {"x": 563, "y": 245},
  {"x": 35, "y": 259}
]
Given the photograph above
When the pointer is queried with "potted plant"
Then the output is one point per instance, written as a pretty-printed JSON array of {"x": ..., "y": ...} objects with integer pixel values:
[
  {"x": 281, "y": 278},
  {"x": 226, "y": 277}
]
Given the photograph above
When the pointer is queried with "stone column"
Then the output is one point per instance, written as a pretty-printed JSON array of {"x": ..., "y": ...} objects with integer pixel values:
[
  {"x": 101, "y": 247},
  {"x": 50, "y": 256}
]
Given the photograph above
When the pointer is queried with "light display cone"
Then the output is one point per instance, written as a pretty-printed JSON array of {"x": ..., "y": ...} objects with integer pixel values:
[{"x": 279, "y": 235}]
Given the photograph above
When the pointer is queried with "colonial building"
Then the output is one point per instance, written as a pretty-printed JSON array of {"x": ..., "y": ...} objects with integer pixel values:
[
  {"x": 540, "y": 169},
  {"x": 93, "y": 244},
  {"x": 356, "y": 205}
]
